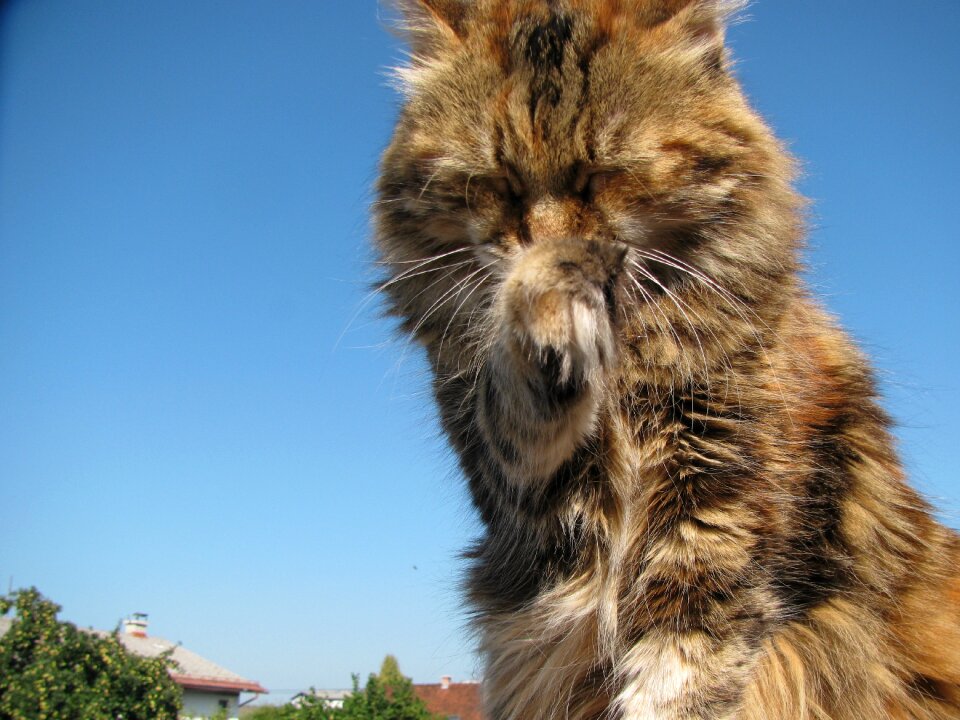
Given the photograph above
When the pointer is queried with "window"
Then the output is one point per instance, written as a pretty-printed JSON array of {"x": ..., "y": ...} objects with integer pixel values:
[{"x": 224, "y": 704}]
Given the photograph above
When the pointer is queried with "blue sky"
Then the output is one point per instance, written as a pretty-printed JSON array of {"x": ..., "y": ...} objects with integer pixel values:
[{"x": 200, "y": 418}]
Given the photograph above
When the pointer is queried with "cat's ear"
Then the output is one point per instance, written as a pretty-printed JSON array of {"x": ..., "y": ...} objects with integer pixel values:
[
  {"x": 703, "y": 20},
  {"x": 701, "y": 25},
  {"x": 433, "y": 25}
]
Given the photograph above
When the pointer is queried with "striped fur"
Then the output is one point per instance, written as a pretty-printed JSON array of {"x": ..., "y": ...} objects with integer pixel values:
[{"x": 691, "y": 503}]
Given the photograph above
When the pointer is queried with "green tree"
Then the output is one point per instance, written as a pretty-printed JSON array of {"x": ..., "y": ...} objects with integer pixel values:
[
  {"x": 379, "y": 702},
  {"x": 387, "y": 696},
  {"x": 50, "y": 670},
  {"x": 390, "y": 674}
]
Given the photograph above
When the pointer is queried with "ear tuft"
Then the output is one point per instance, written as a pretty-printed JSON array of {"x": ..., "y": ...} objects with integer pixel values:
[
  {"x": 432, "y": 25},
  {"x": 701, "y": 21}
]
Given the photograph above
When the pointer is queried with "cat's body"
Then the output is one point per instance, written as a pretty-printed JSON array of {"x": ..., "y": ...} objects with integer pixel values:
[{"x": 691, "y": 502}]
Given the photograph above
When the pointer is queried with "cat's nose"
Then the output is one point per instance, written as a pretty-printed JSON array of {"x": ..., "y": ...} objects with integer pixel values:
[{"x": 552, "y": 218}]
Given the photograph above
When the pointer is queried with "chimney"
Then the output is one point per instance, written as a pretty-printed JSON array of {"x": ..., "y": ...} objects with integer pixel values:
[
  {"x": 445, "y": 682},
  {"x": 136, "y": 625}
]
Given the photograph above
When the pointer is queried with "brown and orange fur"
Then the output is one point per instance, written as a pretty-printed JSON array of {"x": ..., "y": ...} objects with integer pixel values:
[{"x": 691, "y": 503}]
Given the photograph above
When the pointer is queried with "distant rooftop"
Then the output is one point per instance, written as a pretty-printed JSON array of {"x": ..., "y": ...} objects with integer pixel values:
[
  {"x": 460, "y": 700},
  {"x": 330, "y": 694}
]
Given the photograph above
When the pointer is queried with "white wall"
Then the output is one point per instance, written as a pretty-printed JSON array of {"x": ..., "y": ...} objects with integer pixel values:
[{"x": 197, "y": 705}]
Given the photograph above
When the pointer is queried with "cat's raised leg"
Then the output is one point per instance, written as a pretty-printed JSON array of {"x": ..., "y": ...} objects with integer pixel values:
[{"x": 544, "y": 382}]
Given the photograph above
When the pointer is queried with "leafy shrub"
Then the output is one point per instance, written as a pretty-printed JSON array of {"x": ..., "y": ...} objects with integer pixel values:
[{"x": 50, "y": 670}]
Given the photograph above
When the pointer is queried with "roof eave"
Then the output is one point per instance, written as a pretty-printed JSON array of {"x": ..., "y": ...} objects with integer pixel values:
[{"x": 214, "y": 685}]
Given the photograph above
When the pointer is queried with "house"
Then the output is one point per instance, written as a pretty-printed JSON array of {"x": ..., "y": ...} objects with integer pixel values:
[
  {"x": 333, "y": 698},
  {"x": 207, "y": 688},
  {"x": 455, "y": 701}
]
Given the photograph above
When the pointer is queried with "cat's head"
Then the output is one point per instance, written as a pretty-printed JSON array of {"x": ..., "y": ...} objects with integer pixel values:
[{"x": 530, "y": 123}]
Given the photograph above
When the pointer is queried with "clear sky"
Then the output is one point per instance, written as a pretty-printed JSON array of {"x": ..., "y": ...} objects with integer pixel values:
[{"x": 199, "y": 417}]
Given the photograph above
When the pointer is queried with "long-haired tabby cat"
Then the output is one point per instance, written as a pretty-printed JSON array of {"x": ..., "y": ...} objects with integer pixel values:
[{"x": 690, "y": 499}]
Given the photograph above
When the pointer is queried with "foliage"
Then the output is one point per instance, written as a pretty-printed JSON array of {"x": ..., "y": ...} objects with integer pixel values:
[
  {"x": 270, "y": 712},
  {"x": 50, "y": 670},
  {"x": 309, "y": 708},
  {"x": 390, "y": 674},
  {"x": 379, "y": 702},
  {"x": 387, "y": 696}
]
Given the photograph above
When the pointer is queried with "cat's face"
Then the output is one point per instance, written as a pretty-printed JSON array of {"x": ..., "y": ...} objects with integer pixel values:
[{"x": 605, "y": 143}]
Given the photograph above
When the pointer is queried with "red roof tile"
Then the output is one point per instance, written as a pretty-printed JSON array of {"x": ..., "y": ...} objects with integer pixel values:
[{"x": 460, "y": 700}]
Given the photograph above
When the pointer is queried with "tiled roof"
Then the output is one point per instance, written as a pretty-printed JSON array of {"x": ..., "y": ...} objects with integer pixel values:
[
  {"x": 461, "y": 700},
  {"x": 193, "y": 671}
]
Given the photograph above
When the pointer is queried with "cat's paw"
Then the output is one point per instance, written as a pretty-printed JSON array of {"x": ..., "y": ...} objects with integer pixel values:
[{"x": 558, "y": 315}]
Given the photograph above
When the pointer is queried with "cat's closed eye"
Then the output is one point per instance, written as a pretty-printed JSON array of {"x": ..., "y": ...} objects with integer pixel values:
[
  {"x": 592, "y": 181},
  {"x": 508, "y": 186},
  {"x": 588, "y": 182}
]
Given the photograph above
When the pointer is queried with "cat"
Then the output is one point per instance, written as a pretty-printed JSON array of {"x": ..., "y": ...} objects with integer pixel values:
[{"x": 690, "y": 501}]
